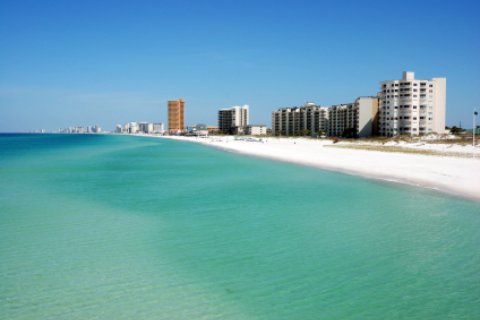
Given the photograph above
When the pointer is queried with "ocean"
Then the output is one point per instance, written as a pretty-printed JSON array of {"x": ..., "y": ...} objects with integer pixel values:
[{"x": 119, "y": 227}]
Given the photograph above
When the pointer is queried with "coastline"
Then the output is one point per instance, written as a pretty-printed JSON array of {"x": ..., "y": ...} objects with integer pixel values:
[{"x": 458, "y": 176}]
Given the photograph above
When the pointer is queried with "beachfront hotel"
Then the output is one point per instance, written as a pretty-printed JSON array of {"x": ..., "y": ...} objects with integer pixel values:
[
  {"x": 308, "y": 119},
  {"x": 357, "y": 119},
  {"x": 402, "y": 107},
  {"x": 233, "y": 120},
  {"x": 411, "y": 107},
  {"x": 176, "y": 122}
]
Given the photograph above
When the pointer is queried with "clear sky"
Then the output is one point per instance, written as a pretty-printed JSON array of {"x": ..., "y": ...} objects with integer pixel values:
[{"x": 65, "y": 63}]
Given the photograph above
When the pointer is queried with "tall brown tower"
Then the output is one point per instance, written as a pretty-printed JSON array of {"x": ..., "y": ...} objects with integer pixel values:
[{"x": 175, "y": 115}]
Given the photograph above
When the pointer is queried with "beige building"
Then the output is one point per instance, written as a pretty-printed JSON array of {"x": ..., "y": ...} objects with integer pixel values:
[
  {"x": 410, "y": 106},
  {"x": 309, "y": 119},
  {"x": 256, "y": 130},
  {"x": 357, "y": 119},
  {"x": 176, "y": 120},
  {"x": 341, "y": 120},
  {"x": 233, "y": 120},
  {"x": 367, "y": 119}
]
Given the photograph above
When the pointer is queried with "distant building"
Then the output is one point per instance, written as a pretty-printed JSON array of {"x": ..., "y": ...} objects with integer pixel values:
[
  {"x": 367, "y": 118},
  {"x": 357, "y": 119},
  {"x": 197, "y": 130},
  {"x": 309, "y": 119},
  {"x": 81, "y": 129},
  {"x": 242, "y": 130},
  {"x": 200, "y": 130},
  {"x": 133, "y": 127},
  {"x": 411, "y": 107},
  {"x": 233, "y": 119},
  {"x": 139, "y": 128},
  {"x": 158, "y": 128},
  {"x": 341, "y": 120},
  {"x": 176, "y": 120},
  {"x": 96, "y": 129},
  {"x": 256, "y": 130},
  {"x": 145, "y": 127},
  {"x": 212, "y": 129}
]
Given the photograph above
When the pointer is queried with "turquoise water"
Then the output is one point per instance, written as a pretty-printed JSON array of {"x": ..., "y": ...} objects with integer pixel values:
[{"x": 114, "y": 227}]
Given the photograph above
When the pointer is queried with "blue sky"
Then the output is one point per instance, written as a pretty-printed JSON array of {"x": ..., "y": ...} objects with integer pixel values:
[{"x": 66, "y": 63}]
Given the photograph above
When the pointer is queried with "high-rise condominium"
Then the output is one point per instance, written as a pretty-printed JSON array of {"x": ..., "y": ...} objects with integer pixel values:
[
  {"x": 233, "y": 119},
  {"x": 411, "y": 107},
  {"x": 308, "y": 119},
  {"x": 357, "y": 119},
  {"x": 176, "y": 122}
]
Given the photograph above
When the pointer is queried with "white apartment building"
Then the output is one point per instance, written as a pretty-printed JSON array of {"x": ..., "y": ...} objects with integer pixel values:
[
  {"x": 142, "y": 127},
  {"x": 411, "y": 106},
  {"x": 145, "y": 127},
  {"x": 256, "y": 130},
  {"x": 229, "y": 120},
  {"x": 158, "y": 128},
  {"x": 132, "y": 127},
  {"x": 309, "y": 119}
]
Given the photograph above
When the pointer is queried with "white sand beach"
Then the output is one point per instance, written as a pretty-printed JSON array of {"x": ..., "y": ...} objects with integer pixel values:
[{"x": 455, "y": 169}]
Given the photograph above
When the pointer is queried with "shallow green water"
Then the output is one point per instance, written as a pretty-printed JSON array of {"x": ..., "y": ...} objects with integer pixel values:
[{"x": 113, "y": 227}]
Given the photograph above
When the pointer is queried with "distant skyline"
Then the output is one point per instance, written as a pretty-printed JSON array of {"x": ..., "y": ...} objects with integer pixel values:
[{"x": 66, "y": 63}]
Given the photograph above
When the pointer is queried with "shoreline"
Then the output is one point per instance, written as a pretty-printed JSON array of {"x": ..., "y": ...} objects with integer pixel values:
[{"x": 456, "y": 176}]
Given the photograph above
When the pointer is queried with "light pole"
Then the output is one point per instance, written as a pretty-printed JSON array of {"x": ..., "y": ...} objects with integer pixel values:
[{"x": 475, "y": 113}]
